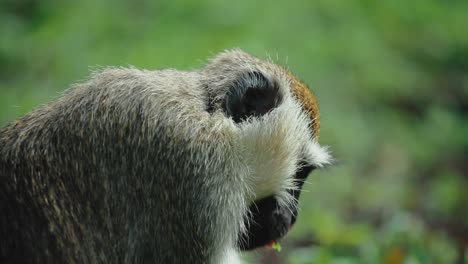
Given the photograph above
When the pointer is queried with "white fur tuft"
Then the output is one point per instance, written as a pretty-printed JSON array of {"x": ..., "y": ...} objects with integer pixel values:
[{"x": 317, "y": 155}]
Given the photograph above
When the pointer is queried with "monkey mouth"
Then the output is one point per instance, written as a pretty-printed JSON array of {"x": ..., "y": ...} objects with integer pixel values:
[{"x": 269, "y": 221}]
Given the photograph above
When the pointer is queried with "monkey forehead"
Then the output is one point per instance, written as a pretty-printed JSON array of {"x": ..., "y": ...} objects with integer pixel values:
[{"x": 308, "y": 101}]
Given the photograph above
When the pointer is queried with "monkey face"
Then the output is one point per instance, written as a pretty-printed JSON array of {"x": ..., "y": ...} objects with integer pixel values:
[{"x": 277, "y": 119}]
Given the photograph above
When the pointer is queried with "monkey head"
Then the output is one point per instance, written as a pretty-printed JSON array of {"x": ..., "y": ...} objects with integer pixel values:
[{"x": 278, "y": 116}]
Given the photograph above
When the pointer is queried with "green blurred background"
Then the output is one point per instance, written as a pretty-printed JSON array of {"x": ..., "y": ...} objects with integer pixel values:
[{"x": 391, "y": 78}]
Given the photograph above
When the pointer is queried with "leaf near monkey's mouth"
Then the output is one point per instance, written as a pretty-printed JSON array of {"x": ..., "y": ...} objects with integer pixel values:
[{"x": 274, "y": 245}]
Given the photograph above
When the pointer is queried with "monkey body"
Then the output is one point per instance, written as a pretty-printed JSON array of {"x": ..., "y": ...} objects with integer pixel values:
[{"x": 139, "y": 166}]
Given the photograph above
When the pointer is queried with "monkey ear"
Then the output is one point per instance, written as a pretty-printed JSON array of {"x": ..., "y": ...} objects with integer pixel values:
[{"x": 251, "y": 95}]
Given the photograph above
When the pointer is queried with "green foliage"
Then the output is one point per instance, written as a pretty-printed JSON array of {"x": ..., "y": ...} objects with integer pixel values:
[{"x": 391, "y": 78}]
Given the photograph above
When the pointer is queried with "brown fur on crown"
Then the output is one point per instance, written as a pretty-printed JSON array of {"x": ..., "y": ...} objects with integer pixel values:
[{"x": 308, "y": 101}]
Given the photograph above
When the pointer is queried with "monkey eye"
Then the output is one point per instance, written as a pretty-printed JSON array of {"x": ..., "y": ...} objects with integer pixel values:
[{"x": 252, "y": 95}]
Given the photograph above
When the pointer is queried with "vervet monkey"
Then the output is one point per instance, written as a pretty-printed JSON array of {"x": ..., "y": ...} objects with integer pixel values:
[{"x": 165, "y": 166}]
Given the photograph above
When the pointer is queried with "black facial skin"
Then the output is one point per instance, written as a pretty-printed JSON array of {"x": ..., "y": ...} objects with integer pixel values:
[
  {"x": 252, "y": 95},
  {"x": 270, "y": 221}
]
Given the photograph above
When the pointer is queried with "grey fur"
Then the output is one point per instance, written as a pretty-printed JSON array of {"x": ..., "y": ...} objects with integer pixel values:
[{"x": 130, "y": 167}]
